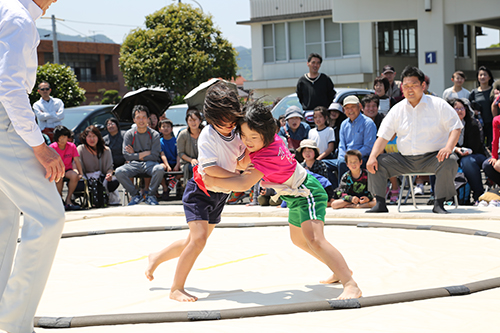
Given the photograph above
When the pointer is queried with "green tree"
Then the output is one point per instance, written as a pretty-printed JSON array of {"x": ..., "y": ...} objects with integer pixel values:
[
  {"x": 111, "y": 97},
  {"x": 63, "y": 83},
  {"x": 179, "y": 49}
]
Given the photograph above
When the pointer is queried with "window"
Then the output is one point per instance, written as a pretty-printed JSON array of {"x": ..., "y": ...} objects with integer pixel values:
[
  {"x": 297, "y": 39},
  {"x": 397, "y": 38},
  {"x": 462, "y": 40}
]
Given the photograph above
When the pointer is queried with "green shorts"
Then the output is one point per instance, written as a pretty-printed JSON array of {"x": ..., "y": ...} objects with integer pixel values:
[{"x": 312, "y": 207}]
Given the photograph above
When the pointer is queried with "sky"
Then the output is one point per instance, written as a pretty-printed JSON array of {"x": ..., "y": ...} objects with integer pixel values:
[{"x": 116, "y": 19}]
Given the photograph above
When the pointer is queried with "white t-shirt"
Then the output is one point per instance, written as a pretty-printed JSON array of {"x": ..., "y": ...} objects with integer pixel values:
[
  {"x": 422, "y": 129},
  {"x": 216, "y": 149},
  {"x": 322, "y": 138},
  {"x": 450, "y": 94}
]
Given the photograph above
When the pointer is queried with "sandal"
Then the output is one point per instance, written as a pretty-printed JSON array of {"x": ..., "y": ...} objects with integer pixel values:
[{"x": 394, "y": 197}]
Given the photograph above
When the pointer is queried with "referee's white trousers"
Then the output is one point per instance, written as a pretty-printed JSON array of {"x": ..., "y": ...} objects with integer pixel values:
[{"x": 24, "y": 268}]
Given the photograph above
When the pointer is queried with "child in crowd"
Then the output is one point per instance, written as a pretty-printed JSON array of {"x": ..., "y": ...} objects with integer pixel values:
[
  {"x": 170, "y": 159},
  {"x": 353, "y": 189},
  {"x": 457, "y": 91},
  {"x": 323, "y": 134},
  {"x": 306, "y": 198},
  {"x": 310, "y": 152},
  {"x": 69, "y": 154},
  {"x": 220, "y": 153}
]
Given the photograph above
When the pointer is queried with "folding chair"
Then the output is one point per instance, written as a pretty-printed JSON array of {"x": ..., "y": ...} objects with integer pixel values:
[{"x": 410, "y": 183}]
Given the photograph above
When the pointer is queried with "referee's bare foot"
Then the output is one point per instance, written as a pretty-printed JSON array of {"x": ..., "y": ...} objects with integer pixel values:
[
  {"x": 181, "y": 295},
  {"x": 152, "y": 265}
]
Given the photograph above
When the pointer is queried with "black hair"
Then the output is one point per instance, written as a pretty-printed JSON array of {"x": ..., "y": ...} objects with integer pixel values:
[
  {"x": 113, "y": 119},
  {"x": 140, "y": 108},
  {"x": 468, "y": 111},
  {"x": 259, "y": 119},
  {"x": 326, "y": 114},
  {"x": 194, "y": 112},
  {"x": 384, "y": 81},
  {"x": 315, "y": 55},
  {"x": 100, "y": 146},
  {"x": 222, "y": 105},
  {"x": 486, "y": 69},
  {"x": 370, "y": 98},
  {"x": 459, "y": 73},
  {"x": 166, "y": 121},
  {"x": 61, "y": 130},
  {"x": 354, "y": 152},
  {"x": 43, "y": 82},
  {"x": 410, "y": 71}
]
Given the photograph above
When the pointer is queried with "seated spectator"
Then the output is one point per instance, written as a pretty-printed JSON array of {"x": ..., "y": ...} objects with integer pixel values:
[
  {"x": 97, "y": 161},
  {"x": 353, "y": 189},
  {"x": 295, "y": 129},
  {"x": 153, "y": 122},
  {"x": 356, "y": 132},
  {"x": 496, "y": 101},
  {"x": 381, "y": 86},
  {"x": 265, "y": 197},
  {"x": 322, "y": 134},
  {"x": 69, "y": 154},
  {"x": 491, "y": 166},
  {"x": 371, "y": 109},
  {"x": 425, "y": 142},
  {"x": 470, "y": 148},
  {"x": 141, "y": 148},
  {"x": 169, "y": 157},
  {"x": 187, "y": 143},
  {"x": 457, "y": 91},
  {"x": 337, "y": 116},
  {"x": 310, "y": 152},
  {"x": 114, "y": 140}
]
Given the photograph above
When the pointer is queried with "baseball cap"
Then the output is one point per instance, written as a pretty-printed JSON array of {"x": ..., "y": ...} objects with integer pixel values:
[
  {"x": 351, "y": 100},
  {"x": 293, "y": 111},
  {"x": 388, "y": 68},
  {"x": 336, "y": 107}
]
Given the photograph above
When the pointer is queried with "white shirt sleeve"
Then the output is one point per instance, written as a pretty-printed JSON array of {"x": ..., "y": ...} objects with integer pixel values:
[{"x": 18, "y": 63}]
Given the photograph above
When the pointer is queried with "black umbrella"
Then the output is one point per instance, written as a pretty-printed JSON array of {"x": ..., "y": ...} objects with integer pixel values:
[{"x": 157, "y": 101}]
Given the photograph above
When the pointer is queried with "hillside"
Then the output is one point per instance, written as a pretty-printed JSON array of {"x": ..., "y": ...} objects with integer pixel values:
[
  {"x": 244, "y": 62},
  {"x": 47, "y": 35}
]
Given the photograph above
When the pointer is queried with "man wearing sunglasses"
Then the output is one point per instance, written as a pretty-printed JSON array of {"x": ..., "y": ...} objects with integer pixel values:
[{"x": 49, "y": 110}]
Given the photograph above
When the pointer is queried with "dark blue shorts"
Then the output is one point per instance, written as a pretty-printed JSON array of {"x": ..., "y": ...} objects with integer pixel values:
[{"x": 200, "y": 207}]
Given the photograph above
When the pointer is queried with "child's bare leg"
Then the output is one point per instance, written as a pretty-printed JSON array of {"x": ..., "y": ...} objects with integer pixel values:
[
  {"x": 298, "y": 239},
  {"x": 198, "y": 235},
  {"x": 172, "y": 251},
  {"x": 339, "y": 203},
  {"x": 368, "y": 204},
  {"x": 314, "y": 235},
  {"x": 73, "y": 182}
]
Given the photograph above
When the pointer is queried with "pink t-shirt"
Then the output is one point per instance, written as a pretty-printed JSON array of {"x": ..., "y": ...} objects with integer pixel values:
[
  {"x": 274, "y": 161},
  {"x": 67, "y": 154}
]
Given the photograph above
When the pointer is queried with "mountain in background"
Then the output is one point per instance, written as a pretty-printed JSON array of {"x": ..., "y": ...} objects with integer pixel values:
[
  {"x": 244, "y": 62},
  {"x": 47, "y": 35}
]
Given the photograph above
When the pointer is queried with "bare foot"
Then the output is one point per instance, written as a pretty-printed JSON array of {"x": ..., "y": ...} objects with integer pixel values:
[
  {"x": 151, "y": 267},
  {"x": 351, "y": 290},
  {"x": 181, "y": 295},
  {"x": 332, "y": 279}
]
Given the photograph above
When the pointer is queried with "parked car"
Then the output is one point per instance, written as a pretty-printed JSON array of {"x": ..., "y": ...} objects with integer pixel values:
[
  {"x": 78, "y": 118},
  {"x": 292, "y": 99}
]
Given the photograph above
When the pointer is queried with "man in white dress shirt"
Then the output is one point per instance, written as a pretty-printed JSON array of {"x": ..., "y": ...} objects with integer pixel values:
[
  {"x": 48, "y": 110},
  {"x": 427, "y": 130},
  {"x": 28, "y": 171}
]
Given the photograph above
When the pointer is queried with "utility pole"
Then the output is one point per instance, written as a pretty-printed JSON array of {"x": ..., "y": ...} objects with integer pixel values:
[{"x": 54, "y": 40}]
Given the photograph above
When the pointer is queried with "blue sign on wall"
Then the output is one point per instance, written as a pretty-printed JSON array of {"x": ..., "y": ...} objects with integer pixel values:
[{"x": 430, "y": 57}]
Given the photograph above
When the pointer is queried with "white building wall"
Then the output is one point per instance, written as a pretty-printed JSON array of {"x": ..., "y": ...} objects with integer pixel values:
[{"x": 263, "y": 8}]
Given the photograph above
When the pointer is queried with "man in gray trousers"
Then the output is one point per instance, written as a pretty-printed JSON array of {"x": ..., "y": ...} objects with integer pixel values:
[
  {"x": 141, "y": 148},
  {"x": 427, "y": 130},
  {"x": 28, "y": 170}
]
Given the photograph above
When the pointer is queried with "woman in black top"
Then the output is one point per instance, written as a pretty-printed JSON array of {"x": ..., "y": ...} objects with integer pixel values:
[
  {"x": 114, "y": 140},
  {"x": 481, "y": 95}
]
